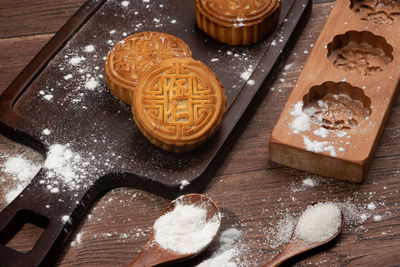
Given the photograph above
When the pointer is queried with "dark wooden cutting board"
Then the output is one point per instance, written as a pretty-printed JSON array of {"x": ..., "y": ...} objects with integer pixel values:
[{"x": 80, "y": 113}]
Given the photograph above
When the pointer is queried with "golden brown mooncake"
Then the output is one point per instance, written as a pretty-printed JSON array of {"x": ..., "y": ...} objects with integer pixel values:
[
  {"x": 131, "y": 57},
  {"x": 237, "y": 22},
  {"x": 178, "y": 104}
]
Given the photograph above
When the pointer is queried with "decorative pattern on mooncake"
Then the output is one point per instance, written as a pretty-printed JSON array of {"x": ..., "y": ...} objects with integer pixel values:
[
  {"x": 131, "y": 57},
  {"x": 179, "y": 104},
  {"x": 237, "y": 22}
]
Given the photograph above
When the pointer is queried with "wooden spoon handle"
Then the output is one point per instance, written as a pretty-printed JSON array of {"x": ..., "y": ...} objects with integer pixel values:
[
  {"x": 153, "y": 255},
  {"x": 291, "y": 249}
]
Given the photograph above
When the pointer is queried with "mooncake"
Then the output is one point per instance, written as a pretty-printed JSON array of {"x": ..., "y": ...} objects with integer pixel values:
[
  {"x": 179, "y": 104},
  {"x": 237, "y": 22},
  {"x": 131, "y": 57}
]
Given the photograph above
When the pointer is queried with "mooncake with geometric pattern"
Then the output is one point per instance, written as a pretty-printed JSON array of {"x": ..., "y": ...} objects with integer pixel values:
[
  {"x": 131, "y": 57},
  {"x": 179, "y": 104}
]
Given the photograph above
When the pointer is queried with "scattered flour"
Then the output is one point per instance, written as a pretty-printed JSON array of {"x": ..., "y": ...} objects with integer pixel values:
[
  {"x": 46, "y": 131},
  {"x": 288, "y": 66},
  {"x": 89, "y": 48},
  {"x": 310, "y": 182},
  {"x": 250, "y": 82},
  {"x": 78, "y": 240},
  {"x": 64, "y": 168},
  {"x": 247, "y": 73},
  {"x": 125, "y": 3},
  {"x": 318, "y": 146},
  {"x": 12, "y": 194},
  {"x": 377, "y": 218},
  {"x": 314, "y": 146},
  {"x": 341, "y": 134},
  {"x": 185, "y": 229},
  {"x": 301, "y": 123},
  {"x": 281, "y": 233},
  {"x": 76, "y": 60},
  {"x": 91, "y": 84},
  {"x": 21, "y": 168},
  {"x": 371, "y": 206},
  {"x": 48, "y": 97},
  {"x": 324, "y": 133},
  {"x": 22, "y": 171},
  {"x": 224, "y": 257},
  {"x": 65, "y": 218},
  {"x": 184, "y": 183},
  {"x": 68, "y": 76}
]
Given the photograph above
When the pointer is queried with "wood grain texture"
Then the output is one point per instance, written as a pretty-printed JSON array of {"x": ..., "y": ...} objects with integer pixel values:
[
  {"x": 347, "y": 89},
  {"x": 252, "y": 192}
]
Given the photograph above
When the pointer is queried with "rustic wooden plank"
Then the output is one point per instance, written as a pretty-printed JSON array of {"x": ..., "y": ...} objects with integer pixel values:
[
  {"x": 15, "y": 54},
  {"x": 35, "y": 17}
]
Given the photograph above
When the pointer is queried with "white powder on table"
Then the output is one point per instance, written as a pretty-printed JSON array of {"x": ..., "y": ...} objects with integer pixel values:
[
  {"x": 377, "y": 218},
  {"x": 227, "y": 251},
  {"x": 319, "y": 222},
  {"x": 23, "y": 171},
  {"x": 21, "y": 168},
  {"x": 310, "y": 182},
  {"x": 185, "y": 229},
  {"x": 371, "y": 206},
  {"x": 282, "y": 232}
]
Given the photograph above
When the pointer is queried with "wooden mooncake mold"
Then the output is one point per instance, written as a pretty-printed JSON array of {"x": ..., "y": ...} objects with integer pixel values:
[
  {"x": 131, "y": 57},
  {"x": 178, "y": 104},
  {"x": 335, "y": 115},
  {"x": 237, "y": 22}
]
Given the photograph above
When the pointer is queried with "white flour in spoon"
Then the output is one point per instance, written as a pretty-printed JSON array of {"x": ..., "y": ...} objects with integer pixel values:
[{"x": 185, "y": 229}]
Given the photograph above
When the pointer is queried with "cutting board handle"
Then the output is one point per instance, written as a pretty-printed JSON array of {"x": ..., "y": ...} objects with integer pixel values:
[{"x": 51, "y": 211}]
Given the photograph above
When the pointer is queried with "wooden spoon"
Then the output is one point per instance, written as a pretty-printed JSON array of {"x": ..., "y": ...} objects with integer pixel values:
[
  {"x": 153, "y": 254},
  {"x": 297, "y": 246}
]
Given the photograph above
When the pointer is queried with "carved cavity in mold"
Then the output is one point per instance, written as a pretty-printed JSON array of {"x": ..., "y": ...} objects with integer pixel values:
[
  {"x": 360, "y": 52},
  {"x": 336, "y": 106},
  {"x": 377, "y": 11}
]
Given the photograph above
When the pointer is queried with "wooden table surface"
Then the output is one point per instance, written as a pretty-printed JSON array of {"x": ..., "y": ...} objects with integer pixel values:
[{"x": 252, "y": 192}]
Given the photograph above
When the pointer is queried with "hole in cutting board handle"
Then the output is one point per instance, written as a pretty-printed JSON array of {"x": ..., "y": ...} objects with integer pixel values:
[
  {"x": 362, "y": 53},
  {"x": 14, "y": 227},
  {"x": 337, "y": 106}
]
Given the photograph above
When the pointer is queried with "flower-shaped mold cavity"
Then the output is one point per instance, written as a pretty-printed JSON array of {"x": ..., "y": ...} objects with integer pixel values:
[
  {"x": 336, "y": 106},
  {"x": 363, "y": 53},
  {"x": 377, "y": 11}
]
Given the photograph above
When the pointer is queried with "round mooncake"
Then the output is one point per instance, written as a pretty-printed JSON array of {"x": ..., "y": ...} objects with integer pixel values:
[
  {"x": 131, "y": 57},
  {"x": 178, "y": 104},
  {"x": 237, "y": 22}
]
